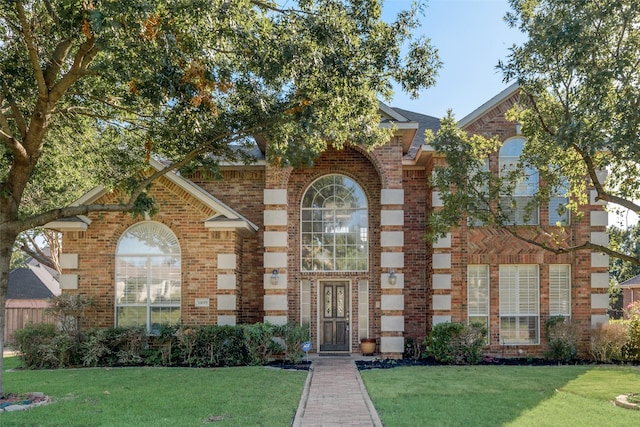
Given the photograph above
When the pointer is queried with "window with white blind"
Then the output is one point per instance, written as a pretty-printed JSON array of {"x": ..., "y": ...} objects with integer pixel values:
[
  {"x": 516, "y": 205},
  {"x": 478, "y": 294},
  {"x": 148, "y": 277},
  {"x": 519, "y": 304},
  {"x": 560, "y": 290}
]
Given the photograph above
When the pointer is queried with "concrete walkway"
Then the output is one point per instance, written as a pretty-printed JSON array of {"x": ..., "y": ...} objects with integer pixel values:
[{"x": 334, "y": 395}]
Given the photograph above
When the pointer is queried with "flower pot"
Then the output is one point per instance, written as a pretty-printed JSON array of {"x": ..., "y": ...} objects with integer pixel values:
[{"x": 368, "y": 345}]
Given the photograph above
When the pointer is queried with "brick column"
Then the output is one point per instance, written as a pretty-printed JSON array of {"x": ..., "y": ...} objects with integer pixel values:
[
  {"x": 441, "y": 279},
  {"x": 598, "y": 221},
  {"x": 227, "y": 291},
  {"x": 392, "y": 278},
  {"x": 275, "y": 256}
]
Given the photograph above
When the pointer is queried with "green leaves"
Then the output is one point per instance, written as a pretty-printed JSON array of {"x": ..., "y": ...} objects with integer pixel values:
[
  {"x": 581, "y": 82},
  {"x": 194, "y": 79}
]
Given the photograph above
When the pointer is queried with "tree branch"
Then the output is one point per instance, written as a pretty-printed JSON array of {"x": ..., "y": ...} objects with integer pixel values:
[
  {"x": 584, "y": 246},
  {"x": 85, "y": 54},
  {"x": 51, "y": 11},
  {"x": 57, "y": 59},
  {"x": 602, "y": 194},
  {"x": 31, "y": 49},
  {"x": 6, "y": 136},
  {"x": 534, "y": 105},
  {"x": 35, "y": 252}
]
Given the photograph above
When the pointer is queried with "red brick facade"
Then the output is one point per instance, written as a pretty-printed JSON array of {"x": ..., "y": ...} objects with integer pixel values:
[{"x": 243, "y": 256}]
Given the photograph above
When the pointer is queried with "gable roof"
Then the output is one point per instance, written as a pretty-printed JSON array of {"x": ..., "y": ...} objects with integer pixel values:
[
  {"x": 487, "y": 106},
  {"x": 224, "y": 219}
]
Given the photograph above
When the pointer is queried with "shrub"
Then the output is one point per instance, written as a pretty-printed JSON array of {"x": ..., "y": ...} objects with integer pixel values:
[
  {"x": 607, "y": 341},
  {"x": 412, "y": 349},
  {"x": 67, "y": 310},
  {"x": 294, "y": 336},
  {"x": 261, "y": 346},
  {"x": 631, "y": 348},
  {"x": 456, "y": 343},
  {"x": 95, "y": 349},
  {"x": 562, "y": 336},
  {"x": 186, "y": 339},
  {"x": 42, "y": 346},
  {"x": 220, "y": 346},
  {"x": 32, "y": 341}
]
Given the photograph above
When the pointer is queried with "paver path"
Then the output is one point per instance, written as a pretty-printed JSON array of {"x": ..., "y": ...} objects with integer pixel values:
[{"x": 335, "y": 396}]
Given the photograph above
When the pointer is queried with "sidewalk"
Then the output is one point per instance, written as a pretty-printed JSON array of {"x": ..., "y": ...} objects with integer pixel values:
[{"x": 334, "y": 395}]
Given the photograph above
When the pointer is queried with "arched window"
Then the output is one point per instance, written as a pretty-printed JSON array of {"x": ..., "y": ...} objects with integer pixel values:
[
  {"x": 335, "y": 232},
  {"x": 147, "y": 277},
  {"x": 517, "y": 204}
]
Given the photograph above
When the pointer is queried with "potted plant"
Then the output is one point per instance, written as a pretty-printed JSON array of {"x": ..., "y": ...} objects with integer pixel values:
[{"x": 367, "y": 346}]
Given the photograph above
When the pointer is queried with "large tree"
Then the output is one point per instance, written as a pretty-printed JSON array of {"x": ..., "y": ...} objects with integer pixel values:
[
  {"x": 90, "y": 89},
  {"x": 579, "y": 107}
]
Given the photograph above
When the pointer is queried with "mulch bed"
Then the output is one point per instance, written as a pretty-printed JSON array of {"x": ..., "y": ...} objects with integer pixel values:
[
  {"x": 487, "y": 360},
  {"x": 22, "y": 399}
]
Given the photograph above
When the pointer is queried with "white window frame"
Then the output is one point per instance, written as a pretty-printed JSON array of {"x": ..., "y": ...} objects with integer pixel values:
[
  {"x": 328, "y": 219},
  {"x": 560, "y": 290},
  {"x": 148, "y": 280},
  {"x": 519, "y": 301},
  {"x": 478, "y": 297}
]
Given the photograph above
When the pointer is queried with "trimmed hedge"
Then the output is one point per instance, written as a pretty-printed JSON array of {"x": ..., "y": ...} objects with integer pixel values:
[
  {"x": 456, "y": 343},
  {"x": 42, "y": 346}
]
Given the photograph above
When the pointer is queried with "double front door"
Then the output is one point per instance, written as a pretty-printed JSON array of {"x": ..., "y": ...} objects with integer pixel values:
[{"x": 334, "y": 318}]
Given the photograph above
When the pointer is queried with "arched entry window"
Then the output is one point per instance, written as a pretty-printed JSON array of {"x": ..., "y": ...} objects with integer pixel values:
[
  {"x": 335, "y": 232},
  {"x": 147, "y": 277}
]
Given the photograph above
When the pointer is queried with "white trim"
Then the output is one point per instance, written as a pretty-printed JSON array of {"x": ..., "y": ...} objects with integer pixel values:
[
  {"x": 384, "y": 108},
  {"x": 484, "y": 108},
  {"x": 214, "y": 223},
  {"x": 90, "y": 196},
  {"x": 191, "y": 188}
]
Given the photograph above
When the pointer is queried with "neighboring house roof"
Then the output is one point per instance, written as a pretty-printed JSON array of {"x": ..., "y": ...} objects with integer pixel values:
[
  {"x": 32, "y": 282},
  {"x": 634, "y": 282}
]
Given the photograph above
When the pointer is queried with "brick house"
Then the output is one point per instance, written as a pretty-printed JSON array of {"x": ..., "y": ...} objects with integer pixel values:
[
  {"x": 630, "y": 291},
  {"x": 338, "y": 246}
]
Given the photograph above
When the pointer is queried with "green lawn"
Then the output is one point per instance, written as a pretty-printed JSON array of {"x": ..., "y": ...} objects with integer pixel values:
[
  {"x": 245, "y": 396},
  {"x": 503, "y": 395}
]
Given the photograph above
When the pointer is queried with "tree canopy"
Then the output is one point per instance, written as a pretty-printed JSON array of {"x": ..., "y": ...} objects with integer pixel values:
[
  {"x": 579, "y": 79},
  {"x": 90, "y": 89}
]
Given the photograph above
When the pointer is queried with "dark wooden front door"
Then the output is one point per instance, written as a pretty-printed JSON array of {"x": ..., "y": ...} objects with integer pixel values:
[{"x": 335, "y": 317}]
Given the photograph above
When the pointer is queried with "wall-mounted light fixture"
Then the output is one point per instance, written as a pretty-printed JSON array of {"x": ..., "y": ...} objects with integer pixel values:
[
  {"x": 392, "y": 277},
  {"x": 518, "y": 129},
  {"x": 274, "y": 277}
]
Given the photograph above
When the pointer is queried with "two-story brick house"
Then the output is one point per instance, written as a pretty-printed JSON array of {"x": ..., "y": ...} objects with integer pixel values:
[{"x": 339, "y": 246}]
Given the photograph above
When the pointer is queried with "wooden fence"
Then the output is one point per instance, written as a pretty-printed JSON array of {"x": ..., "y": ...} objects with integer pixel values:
[{"x": 20, "y": 313}]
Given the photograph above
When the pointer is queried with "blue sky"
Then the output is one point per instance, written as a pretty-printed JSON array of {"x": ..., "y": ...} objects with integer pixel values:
[{"x": 471, "y": 37}]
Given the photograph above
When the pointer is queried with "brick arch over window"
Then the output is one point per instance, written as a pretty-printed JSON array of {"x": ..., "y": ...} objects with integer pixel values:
[{"x": 148, "y": 276}]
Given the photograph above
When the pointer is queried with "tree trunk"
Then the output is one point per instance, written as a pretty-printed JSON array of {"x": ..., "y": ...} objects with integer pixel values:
[{"x": 7, "y": 239}]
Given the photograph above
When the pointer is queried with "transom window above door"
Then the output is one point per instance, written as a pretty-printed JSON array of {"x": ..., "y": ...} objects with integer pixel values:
[{"x": 334, "y": 226}]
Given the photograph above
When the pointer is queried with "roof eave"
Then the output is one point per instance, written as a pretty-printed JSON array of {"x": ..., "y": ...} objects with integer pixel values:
[{"x": 478, "y": 112}]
